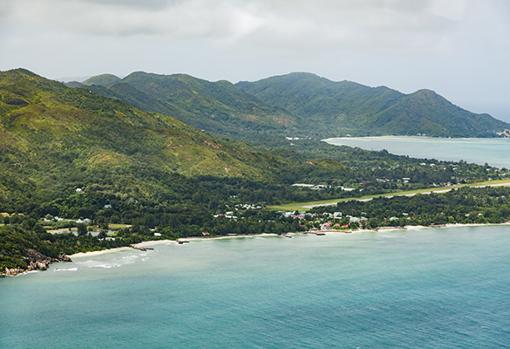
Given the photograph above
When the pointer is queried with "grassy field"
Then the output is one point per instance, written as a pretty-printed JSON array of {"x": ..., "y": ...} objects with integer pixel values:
[
  {"x": 118, "y": 226},
  {"x": 305, "y": 206}
]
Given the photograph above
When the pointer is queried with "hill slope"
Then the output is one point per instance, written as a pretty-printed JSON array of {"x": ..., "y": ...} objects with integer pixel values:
[
  {"x": 54, "y": 139},
  {"x": 217, "y": 107},
  {"x": 332, "y": 108}
]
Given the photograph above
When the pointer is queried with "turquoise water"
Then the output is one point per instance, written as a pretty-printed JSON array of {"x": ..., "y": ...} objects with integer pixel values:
[
  {"x": 494, "y": 151},
  {"x": 429, "y": 288}
]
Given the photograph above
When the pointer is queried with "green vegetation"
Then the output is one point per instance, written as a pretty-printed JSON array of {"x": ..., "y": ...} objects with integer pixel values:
[
  {"x": 327, "y": 108},
  {"x": 58, "y": 143},
  {"x": 460, "y": 206},
  {"x": 45, "y": 120},
  {"x": 217, "y": 107},
  {"x": 131, "y": 174},
  {"x": 24, "y": 237},
  {"x": 70, "y": 153},
  {"x": 296, "y": 104},
  {"x": 306, "y": 206},
  {"x": 105, "y": 80}
]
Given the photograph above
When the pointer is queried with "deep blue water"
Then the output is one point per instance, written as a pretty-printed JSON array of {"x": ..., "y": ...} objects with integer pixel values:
[
  {"x": 494, "y": 151},
  {"x": 430, "y": 288}
]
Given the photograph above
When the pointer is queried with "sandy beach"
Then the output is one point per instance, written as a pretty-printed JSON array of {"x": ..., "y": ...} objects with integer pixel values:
[
  {"x": 100, "y": 252},
  {"x": 198, "y": 238},
  {"x": 152, "y": 243}
]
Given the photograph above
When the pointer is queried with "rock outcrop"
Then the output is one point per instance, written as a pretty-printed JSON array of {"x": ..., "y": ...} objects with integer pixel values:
[{"x": 35, "y": 261}]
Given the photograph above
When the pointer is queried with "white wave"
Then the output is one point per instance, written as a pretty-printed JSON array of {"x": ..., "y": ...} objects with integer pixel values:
[
  {"x": 66, "y": 269},
  {"x": 105, "y": 266},
  {"x": 115, "y": 262}
]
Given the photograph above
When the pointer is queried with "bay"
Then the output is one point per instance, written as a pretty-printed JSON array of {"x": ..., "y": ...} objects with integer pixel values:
[{"x": 494, "y": 151}]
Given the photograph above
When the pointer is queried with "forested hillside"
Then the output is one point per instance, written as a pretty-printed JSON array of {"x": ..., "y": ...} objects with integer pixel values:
[
  {"x": 331, "y": 108},
  {"x": 56, "y": 141},
  {"x": 296, "y": 104},
  {"x": 217, "y": 107}
]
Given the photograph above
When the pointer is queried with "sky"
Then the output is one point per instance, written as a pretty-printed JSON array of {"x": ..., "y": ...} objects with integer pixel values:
[{"x": 459, "y": 48}]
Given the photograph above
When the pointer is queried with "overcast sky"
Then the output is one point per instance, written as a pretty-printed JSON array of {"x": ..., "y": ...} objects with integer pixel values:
[{"x": 460, "y": 48}]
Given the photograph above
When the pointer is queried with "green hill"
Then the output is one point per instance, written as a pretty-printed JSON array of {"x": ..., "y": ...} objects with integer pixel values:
[
  {"x": 40, "y": 113},
  {"x": 105, "y": 80},
  {"x": 296, "y": 104},
  {"x": 330, "y": 108},
  {"x": 218, "y": 107},
  {"x": 55, "y": 139},
  {"x": 70, "y": 151}
]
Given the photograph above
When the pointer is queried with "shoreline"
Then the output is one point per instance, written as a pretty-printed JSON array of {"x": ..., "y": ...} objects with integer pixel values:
[
  {"x": 149, "y": 244},
  {"x": 412, "y": 227},
  {"x": 152, "y": 243}
]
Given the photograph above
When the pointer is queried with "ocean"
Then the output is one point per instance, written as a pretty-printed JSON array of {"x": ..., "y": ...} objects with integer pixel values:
[
  {"x": 418, "y": 288},
  {"x": 494, "y": 151}
]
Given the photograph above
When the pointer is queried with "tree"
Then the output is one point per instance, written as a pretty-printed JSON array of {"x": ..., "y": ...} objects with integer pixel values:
[{"x": 82, "y": 229}]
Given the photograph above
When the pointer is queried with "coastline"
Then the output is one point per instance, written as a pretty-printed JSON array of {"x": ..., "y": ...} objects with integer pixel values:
[
  {"x": 149, "y": 244},
  {"x": 415, "y": 227},
  {"x": 99, "y": 252},
  {"x": 226, "y": 237},
  {"x": 152, "y": 243}
]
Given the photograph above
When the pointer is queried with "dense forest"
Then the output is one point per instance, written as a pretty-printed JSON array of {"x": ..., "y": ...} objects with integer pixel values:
[{"x": 332, "y": 108}]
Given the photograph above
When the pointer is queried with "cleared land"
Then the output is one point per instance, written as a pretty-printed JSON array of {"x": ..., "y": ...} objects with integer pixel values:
[
  {"x": 118, "y": 226},
  {"x": 305, "y": 206}
]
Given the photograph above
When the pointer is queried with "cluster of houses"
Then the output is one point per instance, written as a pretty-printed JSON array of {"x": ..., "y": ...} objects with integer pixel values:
[
  {"x": 320, "y": 186},
  {"x": 405, "y": 180},
  {"x": 335, "y": 221},
  {"x": 227, "y": 215},
  {"x": 505, "y": 133},
  {"x": 236, "y": 208},
  {"x": 327, "y": 221},
  {"x": 51, "y": 219}
]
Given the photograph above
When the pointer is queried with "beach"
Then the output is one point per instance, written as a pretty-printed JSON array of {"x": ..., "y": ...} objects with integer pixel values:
[{"x": 153, "y": 243}]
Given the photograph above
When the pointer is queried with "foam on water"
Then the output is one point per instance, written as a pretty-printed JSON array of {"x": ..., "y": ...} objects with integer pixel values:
[
  {"x": 65, "y": 269},
  {"x": 114, "y": 260}
]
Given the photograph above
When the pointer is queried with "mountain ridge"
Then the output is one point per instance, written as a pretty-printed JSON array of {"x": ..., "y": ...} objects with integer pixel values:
[
  {"x": 296, "y": 104},
  {"x": 349, "y": 107},
  {"x": 218, "y": 107}
]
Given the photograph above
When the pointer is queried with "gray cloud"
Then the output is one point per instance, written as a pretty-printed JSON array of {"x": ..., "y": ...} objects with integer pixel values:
[
  {"x": 5, "y": 8},
  {"x": 230, "y": 20},
  {"x": 147, "y": 4},
  {"x": 459, "y": 47}
]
